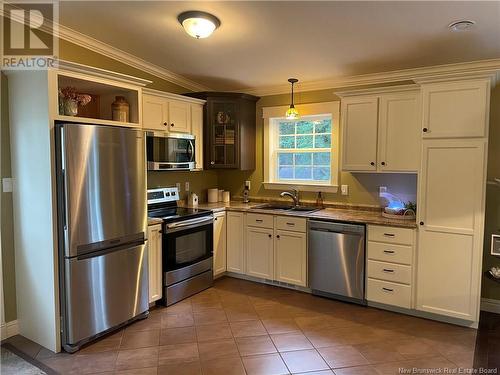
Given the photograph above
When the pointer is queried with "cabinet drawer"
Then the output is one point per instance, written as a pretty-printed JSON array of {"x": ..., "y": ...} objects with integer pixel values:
[
  {"x": 389, "y": 293},
  {"x": 295, "y": 224},
  {"x": 259, "y": 220},
  {"x": 389, "y": 272},
  {"x": 390, "y": 234},
  {"x": 390, "y": 252}
]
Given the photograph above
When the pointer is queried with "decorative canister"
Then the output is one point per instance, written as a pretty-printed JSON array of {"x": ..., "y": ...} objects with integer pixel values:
[
  {"x": 213, "y": 195},
  {"x": 220, "y": 195},
  {"x": 70, "y": 107},
  {"x": 226, "y": 196},
  {"x": 120, "y": 109}
]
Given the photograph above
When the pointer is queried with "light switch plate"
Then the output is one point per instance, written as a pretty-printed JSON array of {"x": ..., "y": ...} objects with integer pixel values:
[
  {"x": 7, "y": 185},
  {"x": 344, "y": 189},
  {"x": 382, "y": 190},
  {"x": 178, "y": 185},
  {"x": 247, "y": 184},
  {"x": 186, "y": 186}
]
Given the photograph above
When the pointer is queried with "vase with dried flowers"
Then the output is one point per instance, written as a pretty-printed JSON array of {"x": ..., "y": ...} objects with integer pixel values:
[{"x": 71, "y": 99}]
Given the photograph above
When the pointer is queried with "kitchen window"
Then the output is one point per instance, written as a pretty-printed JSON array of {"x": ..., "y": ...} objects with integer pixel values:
[{"x": 302, "y": 153}]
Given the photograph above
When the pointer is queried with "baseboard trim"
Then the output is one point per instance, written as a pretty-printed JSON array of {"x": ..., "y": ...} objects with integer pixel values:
[
  {"x": 490, "y": 305},
  {"x": 9, "y": 329}
]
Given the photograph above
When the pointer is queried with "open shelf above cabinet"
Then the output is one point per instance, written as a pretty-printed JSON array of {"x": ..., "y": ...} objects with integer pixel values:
[{"x": 102, "y": 96}]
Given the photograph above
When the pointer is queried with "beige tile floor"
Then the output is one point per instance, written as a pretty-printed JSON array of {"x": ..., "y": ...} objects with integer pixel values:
[{"x": 240, "y": 327}]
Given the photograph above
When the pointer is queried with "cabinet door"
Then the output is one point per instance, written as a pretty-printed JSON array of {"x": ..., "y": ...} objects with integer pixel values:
[
  {"x": 456, "y": 109},
  {"x": 197, "y": 131},
  {"x": 451, "y": 211},
  {"x": 223, "y": 133},
  {"x": 399, "y": 133},
  {"x": 359, "y": 133},
  {"x": 179, "y": 116},
  {"x": 154, "y": 113},
  {"x": 155, "y": 262},
  {"x": 219, "y": 243},
  {"x": 235, "y": 242},
  {"x": 259, "y": 262},
  {"x": 291, "y": 257}
]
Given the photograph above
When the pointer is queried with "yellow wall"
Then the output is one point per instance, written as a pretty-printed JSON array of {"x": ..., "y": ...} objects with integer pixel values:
[{"x": 363, "y": 187}]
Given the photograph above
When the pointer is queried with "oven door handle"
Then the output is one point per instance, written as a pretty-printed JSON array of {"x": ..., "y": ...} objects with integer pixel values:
[{"x": 190, "y": 223}]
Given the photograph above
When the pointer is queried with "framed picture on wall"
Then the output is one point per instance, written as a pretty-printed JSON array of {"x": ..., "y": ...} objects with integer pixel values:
[{"x": 495, "y": 244}]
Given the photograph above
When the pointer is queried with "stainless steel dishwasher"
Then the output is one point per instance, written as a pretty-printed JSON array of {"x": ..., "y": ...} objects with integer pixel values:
[{"x": 337, "y": 260}]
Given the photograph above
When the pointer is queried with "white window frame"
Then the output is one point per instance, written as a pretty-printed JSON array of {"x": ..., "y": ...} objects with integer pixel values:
[{"x": 270, "y": 115}]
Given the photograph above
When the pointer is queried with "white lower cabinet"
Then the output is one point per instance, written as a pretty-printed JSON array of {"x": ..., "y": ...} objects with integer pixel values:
[
  {"x": 290, "y": 254},
  {"x": 219, "y": 244},
  {"x": 155, "y": 262},
  {"x": 260, "y": 252},
  {"x": 235, "y": 242},
  {"x": 390, "y": 270}
]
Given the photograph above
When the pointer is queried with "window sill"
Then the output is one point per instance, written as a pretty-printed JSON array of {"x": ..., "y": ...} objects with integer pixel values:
[{"x": 301, "y": 187}]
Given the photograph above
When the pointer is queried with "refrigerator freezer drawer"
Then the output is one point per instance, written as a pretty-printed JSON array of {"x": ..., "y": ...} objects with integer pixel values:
[{"x": 104, "y": 291}]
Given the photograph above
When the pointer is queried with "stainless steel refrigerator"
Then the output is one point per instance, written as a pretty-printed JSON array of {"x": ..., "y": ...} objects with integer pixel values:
[{"x": 101, "y": 186}]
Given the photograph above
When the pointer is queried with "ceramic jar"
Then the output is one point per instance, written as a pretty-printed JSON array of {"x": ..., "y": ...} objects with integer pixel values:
[
  {"x": 70, "y": 107},
  {"x": 120, "y": 109}
]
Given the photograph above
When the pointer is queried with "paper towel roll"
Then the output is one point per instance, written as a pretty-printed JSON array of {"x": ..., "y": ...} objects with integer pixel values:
[{"x": 213, "y": 195}]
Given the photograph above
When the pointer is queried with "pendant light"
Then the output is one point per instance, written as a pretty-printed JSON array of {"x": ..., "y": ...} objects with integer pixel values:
[{"x": 292, "y": 113}]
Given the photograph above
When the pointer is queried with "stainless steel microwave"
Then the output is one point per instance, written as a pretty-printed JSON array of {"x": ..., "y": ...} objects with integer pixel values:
[{"x": 170, "y": 152}]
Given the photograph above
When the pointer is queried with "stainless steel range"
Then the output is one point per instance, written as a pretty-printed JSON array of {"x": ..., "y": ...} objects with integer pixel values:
[{"x": 187, "y": 241}]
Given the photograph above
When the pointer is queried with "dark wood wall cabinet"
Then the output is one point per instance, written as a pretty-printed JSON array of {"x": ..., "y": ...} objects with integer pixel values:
[{"x": 228, "y": 130}]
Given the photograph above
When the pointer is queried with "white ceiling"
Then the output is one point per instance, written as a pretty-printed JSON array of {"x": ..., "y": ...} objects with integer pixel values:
[{"x": 263, "y": 43}]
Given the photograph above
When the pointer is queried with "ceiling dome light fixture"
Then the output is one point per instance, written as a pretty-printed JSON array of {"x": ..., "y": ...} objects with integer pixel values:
[
  {"x": 461, "y": 25},
  {"x": 292, "y": 113},
  {"x": 198, "y": 24}
]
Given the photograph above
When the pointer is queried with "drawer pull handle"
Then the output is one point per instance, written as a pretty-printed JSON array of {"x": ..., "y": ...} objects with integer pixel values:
[
  {"x": 388, "y": 290},
  {"x": 387, "y": 270},
  {"x": 258, "y": 220},
  {"x": 389, "y": 235},
  {"x": 292, "y": 224},
  {"x": 389, "y": 251}
]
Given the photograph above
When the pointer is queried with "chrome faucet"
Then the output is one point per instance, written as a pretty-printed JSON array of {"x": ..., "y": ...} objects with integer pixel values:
[{"x": 294, "y": 195}]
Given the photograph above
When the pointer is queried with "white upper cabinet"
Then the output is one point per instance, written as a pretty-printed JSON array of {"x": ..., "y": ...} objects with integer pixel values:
[
  {"x": 154, "y": 113},
  {"x": 197, "y": 131},
  {"x": 399, "y": 132},
  {"x": 451, "y": 215},
  {"x": 359, "y": 133},
  {"x": 179, "y": 116},
  {"x": 457, "y": 109},
  {"x": 381, "y": 131}
]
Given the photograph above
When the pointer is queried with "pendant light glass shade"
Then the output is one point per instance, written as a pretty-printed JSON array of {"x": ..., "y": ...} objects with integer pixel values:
[{"x": 292, "y": 113}]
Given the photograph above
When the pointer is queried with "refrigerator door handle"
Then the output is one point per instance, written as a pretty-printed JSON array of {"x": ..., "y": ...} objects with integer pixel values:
[
  {"x": 89, "y": 250},
  {"x": 110, "y": 250}
]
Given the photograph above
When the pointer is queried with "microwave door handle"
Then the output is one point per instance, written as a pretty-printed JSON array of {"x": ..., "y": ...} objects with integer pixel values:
[{"x": 190, "y": 150}]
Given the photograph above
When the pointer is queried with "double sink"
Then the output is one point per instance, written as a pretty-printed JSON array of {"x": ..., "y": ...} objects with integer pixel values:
[{"x": 284, "y": 208}]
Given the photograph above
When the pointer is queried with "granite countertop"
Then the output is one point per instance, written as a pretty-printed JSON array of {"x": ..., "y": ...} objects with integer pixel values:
[
  {"x": 154, "y": 220},
  {"x": 334, "y": 214}
]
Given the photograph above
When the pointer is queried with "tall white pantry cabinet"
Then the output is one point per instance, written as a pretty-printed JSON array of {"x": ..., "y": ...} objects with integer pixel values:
[{"x": 451, "y": 197}]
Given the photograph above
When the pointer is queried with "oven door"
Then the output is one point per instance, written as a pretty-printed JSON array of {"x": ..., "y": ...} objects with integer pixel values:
[
  {"x": 187, "y": 242},
  {"x": 175, "y": 151}
]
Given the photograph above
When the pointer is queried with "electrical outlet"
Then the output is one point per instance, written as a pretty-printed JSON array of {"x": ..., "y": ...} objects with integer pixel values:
[
  {"x": 247, "y": 184},
  {"x": 344, "y": 189},
  {"x": 178, "y": 185},
  {"x": 7, "y": 185},
  {"x": 382, "y": 190},
  {"x": 186, "y": 186}
]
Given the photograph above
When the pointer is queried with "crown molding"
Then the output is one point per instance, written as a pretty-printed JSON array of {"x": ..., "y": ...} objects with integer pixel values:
[
  {"x": 95, "y": 45},
  {"x": 481, "y": 67},
  {"x": 170, "y": 95},
  {"x": 378, "y": 90},
  {"x": 107, "y": 50}
]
